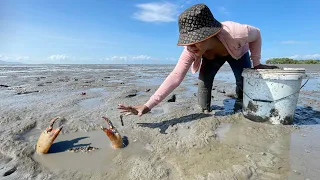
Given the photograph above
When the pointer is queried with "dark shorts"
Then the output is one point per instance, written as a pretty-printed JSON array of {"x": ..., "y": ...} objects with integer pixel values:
[{"x": 209, "y": 69}]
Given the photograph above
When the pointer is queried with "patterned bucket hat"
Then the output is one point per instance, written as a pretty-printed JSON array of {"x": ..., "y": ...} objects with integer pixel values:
[{"x": 197, "y": 24}]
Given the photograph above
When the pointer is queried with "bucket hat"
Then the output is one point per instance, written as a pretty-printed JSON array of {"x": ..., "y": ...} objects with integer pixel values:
[{"x": 197, "y": 24}]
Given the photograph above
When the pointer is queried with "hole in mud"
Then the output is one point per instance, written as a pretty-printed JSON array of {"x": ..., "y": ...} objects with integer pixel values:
[
  {"x": 98, "y": 159},
  {"x": 125, "y": 141},
  {"x": 9, "y": 172},
  {"x": 67, "y": 144}
]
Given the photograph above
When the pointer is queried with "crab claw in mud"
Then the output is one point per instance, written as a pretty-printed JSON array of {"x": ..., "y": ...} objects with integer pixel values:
[
  {"x": 113, "y": 134},
  {"x": 47, "y": 137}
]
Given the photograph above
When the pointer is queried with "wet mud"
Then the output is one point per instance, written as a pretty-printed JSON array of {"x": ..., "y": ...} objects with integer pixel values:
[{"x": 173, "y": 141}]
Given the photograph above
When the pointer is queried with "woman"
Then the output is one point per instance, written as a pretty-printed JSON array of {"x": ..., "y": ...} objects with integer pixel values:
[{"x": 215, "y": 43}]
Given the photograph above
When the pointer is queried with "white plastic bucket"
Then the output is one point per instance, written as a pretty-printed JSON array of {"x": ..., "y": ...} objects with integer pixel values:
[{"x": 271, "y": 94}]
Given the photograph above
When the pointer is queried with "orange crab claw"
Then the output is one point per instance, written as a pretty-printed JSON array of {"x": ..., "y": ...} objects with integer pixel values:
[
  {"x": 47, "y": 137},
  {"x": 113, "y": 134}
]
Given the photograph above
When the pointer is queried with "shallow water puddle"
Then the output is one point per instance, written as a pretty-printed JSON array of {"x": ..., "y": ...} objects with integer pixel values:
[
  {"x": 23, "y": 100},
  {"x": 307, "y": 97},
  {"x": 115, "y": 81},
  {"x": 192, "y": 90},
  {"x": 313, "y": 84},
  {"x": 152, "y": 81},
  {"x": 163, "y": 109},
  {"x": 90, "y": 103},
  {"x": 225, "y": 108},
  {"x": 102, "y": 91},
  {"x": 305, "y": 153},
  {"x": 299, "y": 151},
  {"x": 100, "y": 159},
  {"x": 226, "y": 76},
  {"x": 222, "y": 130},
  {"x": 183, "y": 131},
  {"x": 93, "y": 102},
  {"x": 306, "y": 116},
  {"x": 157, "y": 111}
]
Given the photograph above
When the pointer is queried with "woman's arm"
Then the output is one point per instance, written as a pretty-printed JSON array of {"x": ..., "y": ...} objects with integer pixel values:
[
  {"x": 255, "y": 43},
  {"x": 173, "y": 80}
]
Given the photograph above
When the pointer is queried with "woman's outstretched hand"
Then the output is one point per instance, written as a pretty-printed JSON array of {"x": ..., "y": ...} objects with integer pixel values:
[{"x": 135, "y": 110}]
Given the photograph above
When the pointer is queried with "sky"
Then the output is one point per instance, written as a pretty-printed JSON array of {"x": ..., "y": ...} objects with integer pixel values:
[{"x": 142, "y": 31}]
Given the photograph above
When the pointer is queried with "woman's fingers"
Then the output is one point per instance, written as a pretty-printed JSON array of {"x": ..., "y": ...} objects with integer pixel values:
[
  {"x": 122, "y": 106},
  {"x": 128, "y": 110},
  {"x": 124, "y": 111}
]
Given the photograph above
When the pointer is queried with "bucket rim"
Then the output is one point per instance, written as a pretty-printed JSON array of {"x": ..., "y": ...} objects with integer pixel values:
[
  {"x": 281, "y": 73},
  {"x": 280, "y": 70}
]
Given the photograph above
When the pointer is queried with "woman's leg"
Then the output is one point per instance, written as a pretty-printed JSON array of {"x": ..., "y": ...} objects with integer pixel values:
[
  {"x": 237, "y": 67},
  {"x": 208, "y": 70}
]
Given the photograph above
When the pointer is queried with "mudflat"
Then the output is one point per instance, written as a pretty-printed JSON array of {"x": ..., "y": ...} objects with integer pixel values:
[{"x": 174, "y": 141}]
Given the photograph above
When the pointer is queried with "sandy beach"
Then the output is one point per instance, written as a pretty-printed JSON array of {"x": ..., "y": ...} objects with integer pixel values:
[{"x": 174, "y": 141}]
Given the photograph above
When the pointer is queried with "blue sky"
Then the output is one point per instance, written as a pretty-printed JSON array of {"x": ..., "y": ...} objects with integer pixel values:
[{"x": 141, "y": 31}]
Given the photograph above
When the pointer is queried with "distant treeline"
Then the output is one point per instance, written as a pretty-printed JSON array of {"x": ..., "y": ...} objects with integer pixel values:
[{"x": 291, "y": 61}]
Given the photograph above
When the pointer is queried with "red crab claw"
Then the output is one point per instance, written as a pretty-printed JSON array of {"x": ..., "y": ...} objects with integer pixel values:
[
  {"x": 112, "y": 134},
  {"x": 47, "y": 137}
]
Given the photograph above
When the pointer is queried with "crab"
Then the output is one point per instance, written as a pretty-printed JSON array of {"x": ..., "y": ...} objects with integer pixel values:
[
  {"x": 47, "y": 137},
  {"x": 113, "y": 134}
]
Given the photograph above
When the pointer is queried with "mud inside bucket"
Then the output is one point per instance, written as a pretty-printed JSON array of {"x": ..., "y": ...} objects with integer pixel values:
[{"x": 271, "y": 95}]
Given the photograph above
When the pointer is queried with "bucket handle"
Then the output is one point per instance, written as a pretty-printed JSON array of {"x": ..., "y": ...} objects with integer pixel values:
[{"x": 268, "y": 101}]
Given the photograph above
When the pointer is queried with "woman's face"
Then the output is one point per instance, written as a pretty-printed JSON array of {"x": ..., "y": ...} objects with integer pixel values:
[{"x": 199, "y": 48}]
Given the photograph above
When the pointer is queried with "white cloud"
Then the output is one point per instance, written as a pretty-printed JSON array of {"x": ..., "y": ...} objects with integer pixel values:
[
  {"x": 157, "y": 12},
  {"x": 116, "y": 59},
  {"x": 119, "y": 58},
  {"x": 4, "y": 58},
  {"x": 171, "y": 59},
  {"x": 293, "y": 42},
  {"x": 141, "y": 57},
  {"x": 223, "y": 10},
  {"x": 307, "y": 56},
  {"x": 58, "y": 57},
  {"x": 23, "y": 59},
  {"x": 130, "y": 59}
]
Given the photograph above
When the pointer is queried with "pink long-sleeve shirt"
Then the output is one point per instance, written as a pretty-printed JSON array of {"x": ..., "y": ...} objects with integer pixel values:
[{"x": 237, "y": 39}]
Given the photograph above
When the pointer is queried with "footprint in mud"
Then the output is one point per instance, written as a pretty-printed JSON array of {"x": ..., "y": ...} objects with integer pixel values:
[{"x": 10, "y": 171}]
